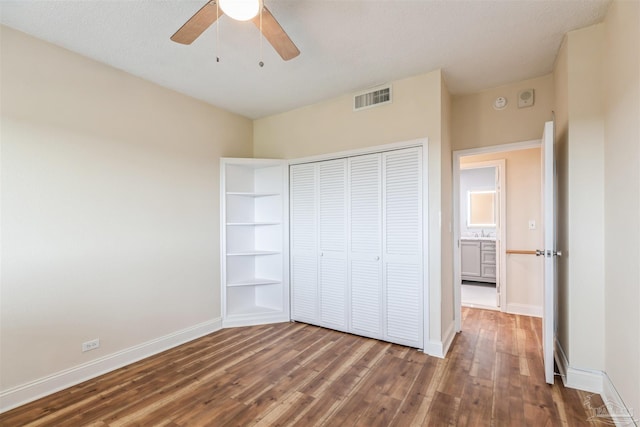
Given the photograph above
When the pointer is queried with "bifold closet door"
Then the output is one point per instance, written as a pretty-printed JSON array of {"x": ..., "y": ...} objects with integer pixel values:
[
  {"x": 356, "y": 245},
  {"x": 402, "y": 243},
  {"x": 365, "y": 272},
  {"x": 304, "y": 243},
  {"x": 332, "y": 178},
  {"x": 318, "y": 243}
]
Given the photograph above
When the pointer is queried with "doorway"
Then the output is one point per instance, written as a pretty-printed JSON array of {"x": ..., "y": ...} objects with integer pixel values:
[
  {"x": 481, "y": 216},
  {"x": 516, "y": 169}
]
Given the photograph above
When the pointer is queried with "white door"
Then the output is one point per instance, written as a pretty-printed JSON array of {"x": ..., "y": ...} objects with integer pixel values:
[
  {"x": 402, "y": 243},
  {"x": 498, "y": 242},
  {"x": 365, "y": 264},
  {"x": 550, "y": 251},
  {"x": 332, "y": 221},
  {"x": 304, "y": 245}
]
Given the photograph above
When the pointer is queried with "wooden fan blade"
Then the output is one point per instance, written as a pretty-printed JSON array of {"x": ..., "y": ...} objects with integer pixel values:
[
  {"x": 199, "y": 22},
  {"x": 275, "y": 35}
]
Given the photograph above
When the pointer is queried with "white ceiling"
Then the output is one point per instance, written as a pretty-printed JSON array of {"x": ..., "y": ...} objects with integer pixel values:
[{"x": 346, "y": 45}]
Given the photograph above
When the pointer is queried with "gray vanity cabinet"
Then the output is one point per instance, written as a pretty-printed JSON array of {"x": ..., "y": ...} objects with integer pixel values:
[{"x": 478, "y": 260}]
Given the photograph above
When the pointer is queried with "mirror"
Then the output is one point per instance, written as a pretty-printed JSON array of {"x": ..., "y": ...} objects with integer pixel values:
[{"x": 481, "y": 209}]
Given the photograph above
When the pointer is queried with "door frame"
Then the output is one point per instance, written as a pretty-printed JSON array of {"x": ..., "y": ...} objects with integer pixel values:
[{"x": 457, "y": 155}]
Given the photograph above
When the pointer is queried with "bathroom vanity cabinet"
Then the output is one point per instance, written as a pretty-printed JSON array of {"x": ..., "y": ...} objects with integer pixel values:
[{"x": 478, "y": 260}]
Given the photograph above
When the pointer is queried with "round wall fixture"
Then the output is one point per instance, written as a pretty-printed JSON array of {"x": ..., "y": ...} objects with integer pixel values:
[{"x": 500, "y": 103}]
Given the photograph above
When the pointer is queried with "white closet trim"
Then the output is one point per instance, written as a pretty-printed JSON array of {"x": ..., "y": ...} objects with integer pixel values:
[{"x": 421, "y": 142}]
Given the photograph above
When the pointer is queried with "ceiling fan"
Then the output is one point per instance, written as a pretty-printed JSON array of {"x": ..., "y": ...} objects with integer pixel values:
[{"x": 256, "y": 11}]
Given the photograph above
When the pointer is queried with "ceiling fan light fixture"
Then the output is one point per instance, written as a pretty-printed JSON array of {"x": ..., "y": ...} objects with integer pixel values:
[{"x": 241, "y": 10}]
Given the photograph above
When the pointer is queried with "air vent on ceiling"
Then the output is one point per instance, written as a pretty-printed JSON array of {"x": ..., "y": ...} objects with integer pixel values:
[{"x": 372, "y": 98}]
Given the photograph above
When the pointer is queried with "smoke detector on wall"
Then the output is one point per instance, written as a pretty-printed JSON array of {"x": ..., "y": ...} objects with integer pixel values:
[{"x": 500, "y": 103}]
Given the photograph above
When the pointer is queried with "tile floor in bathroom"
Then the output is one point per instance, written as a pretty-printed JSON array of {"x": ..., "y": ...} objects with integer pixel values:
[{"x": 479, "y": 295}]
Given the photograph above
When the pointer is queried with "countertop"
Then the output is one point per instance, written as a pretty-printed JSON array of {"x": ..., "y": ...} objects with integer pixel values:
[{"x": 490, "y": 239}]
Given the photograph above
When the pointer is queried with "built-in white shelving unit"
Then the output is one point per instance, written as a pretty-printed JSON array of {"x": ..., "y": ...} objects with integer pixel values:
[{"x": 254, "y": 240}]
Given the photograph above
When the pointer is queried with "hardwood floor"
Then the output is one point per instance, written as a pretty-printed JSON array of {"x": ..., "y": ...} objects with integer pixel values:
[{"x": 300, "y": 375}]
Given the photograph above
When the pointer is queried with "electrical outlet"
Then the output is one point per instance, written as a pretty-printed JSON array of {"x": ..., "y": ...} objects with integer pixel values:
[
  {"x": 532, "y": 224},
  {"x": 90, "y": 345}
]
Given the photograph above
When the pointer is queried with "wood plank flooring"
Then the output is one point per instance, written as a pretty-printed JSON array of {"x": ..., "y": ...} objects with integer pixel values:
[{"x": 292, "y": 374}]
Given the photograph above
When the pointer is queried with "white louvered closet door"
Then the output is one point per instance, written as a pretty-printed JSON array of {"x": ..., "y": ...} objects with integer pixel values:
[
  {"x": 365, "y": 220},
  {"x": 332, "y": 200},
  {"x": 402, "y": 243},
  {"x": 304, "y": 243},
  {"x": 356, "y": 245}
]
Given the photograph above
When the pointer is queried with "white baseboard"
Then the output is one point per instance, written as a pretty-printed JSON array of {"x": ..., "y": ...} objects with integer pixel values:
[
  {"x": 245, "y": 320},
  {"x": 33, "y": 390},
  {"x": 581, "y": 379},
  {"x": 617, "y": 410},
  {"x": 434, "y": 348},
  {"x": 524, "y": 309},
  {"x": 586, "y": 380},
  {"x": 614, "y": 411},
  {"x": 440, "y": 348},
  {"x": 449, "y": 334},
  {"x": 595, "y": 382}
]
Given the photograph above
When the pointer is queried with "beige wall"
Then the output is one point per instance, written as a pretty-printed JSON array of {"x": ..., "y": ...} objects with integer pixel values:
[
  {"x": 622, "y": 199},
  {"x": 475, "y": 123},
  {"x": 585, "y": 250},
  {"x": 581, "y": 168},
  {"x": 597, "y": 75},
  {"x": 109, "y": 208},
  {"x": 333, "y": 126},
  {"x": 523, "y": 199}
]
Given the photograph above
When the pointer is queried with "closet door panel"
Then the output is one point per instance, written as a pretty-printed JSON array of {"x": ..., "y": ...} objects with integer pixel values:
[
  {"x": 365, "y": 204},
  {"x": 366, "y": 298},
  {"x": 333, "y": 287},
  {"x": 333, "y": 199},
  {"x": 404, "y": 302},
  {"x": 304, "y": 298},
  {"x": 403, "y": 203},
  {"x": 332, "y": 177},
  {"x": 304, "y": 243},
  {"x": 402, "y": 240},
  {"x": 365, "y": 220}
]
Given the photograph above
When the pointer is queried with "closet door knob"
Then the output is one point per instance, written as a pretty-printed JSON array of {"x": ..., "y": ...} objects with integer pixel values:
[{"x": 377, "y": 258}]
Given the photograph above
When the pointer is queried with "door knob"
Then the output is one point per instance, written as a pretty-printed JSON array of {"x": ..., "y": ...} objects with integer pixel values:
[
  {"x": 377, "y": 258},
  {"x": 548, "y": 253}
]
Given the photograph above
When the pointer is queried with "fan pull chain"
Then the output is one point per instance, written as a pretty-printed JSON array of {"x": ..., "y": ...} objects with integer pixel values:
[
  {"x": 217, "y": 32},
  {"x": 261, "y": 63}
]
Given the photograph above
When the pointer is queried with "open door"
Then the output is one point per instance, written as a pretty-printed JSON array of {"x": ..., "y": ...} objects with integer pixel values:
[
  {"x": 549, "y": 252},
  {"x": 499, "y": 214}
]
